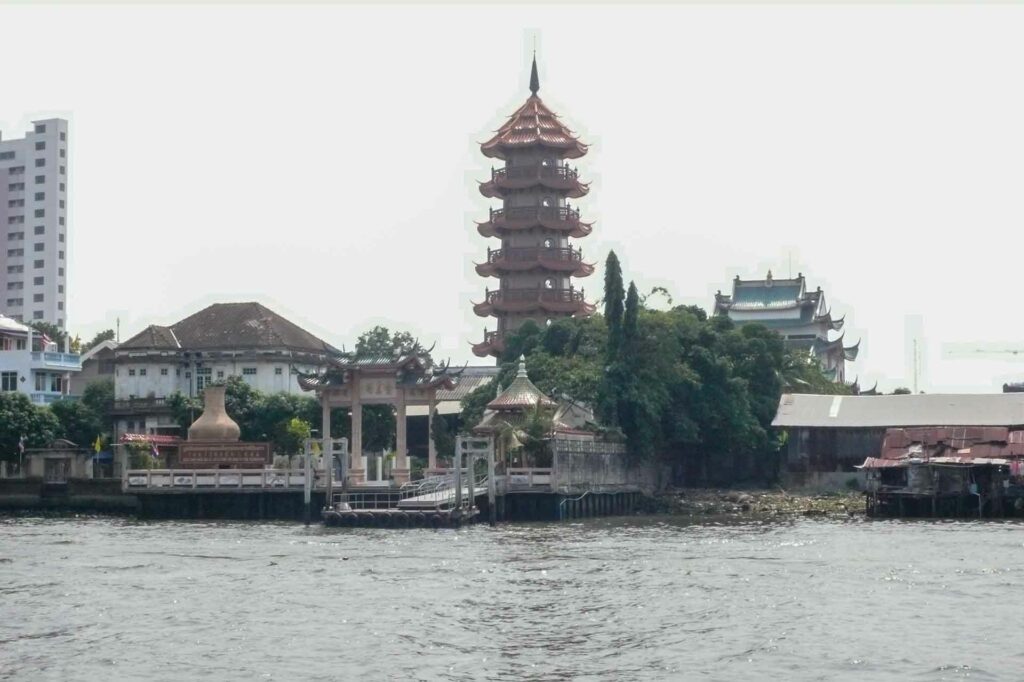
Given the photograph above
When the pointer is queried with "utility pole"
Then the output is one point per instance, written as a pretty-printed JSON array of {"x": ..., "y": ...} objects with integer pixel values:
[
  {"x": 916, "y": 366},
  {"x": 307, "y": 488},
  {"x": 492, "y": 490}
]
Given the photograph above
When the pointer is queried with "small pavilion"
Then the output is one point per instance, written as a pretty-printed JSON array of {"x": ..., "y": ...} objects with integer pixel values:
[
  {"x": 351, "y": 381},
  {"x": 511, "y": 408}
]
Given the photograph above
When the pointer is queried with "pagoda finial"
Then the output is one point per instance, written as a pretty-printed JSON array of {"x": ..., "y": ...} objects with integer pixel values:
[
  {"x": 534, "y": 78},
  {"x": 522, "y": 367}
]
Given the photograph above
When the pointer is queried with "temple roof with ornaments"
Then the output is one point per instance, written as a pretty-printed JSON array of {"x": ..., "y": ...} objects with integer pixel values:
[
  {"x": 772, "y": 302},
  {"x": 531, "y": 125},
  {"x": 521, "y": 393},
  {"x": 411, "y": 369}
]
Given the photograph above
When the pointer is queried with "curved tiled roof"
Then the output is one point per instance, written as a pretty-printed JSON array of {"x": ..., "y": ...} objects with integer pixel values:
[
  {"x": 533, "y": 124},
  {"x": 520, "y": 394}
]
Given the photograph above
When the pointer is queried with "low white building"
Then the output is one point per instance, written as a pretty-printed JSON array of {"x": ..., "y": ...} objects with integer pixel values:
[
  {"x": 246, "y": 340},
  {"x": 31, "y": 365}
]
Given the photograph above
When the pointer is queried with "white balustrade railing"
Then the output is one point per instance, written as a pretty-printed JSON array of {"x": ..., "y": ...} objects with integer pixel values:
[{"x": 206, "y": 479}]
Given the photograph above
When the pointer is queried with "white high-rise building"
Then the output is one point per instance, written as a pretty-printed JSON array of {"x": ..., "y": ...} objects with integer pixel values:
[{"x": 33, "y": 224}]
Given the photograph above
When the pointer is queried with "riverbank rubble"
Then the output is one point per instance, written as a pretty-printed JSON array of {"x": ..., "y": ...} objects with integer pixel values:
[{"x": 755, "y": 503}]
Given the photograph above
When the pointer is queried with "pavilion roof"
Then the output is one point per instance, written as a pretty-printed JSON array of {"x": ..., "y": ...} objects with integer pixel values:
[
  {"x": 533, "y": 125},
  {"x": 521, "y": 394}
]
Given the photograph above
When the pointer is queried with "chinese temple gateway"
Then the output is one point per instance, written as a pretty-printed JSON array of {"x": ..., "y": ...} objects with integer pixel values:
[{"x": 536, "y": 263}]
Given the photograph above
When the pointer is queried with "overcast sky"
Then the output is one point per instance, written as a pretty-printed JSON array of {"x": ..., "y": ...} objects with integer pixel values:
[{"x": 324, "y": 159}]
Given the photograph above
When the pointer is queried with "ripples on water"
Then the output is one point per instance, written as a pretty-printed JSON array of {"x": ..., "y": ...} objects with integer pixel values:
[{"x": 619, "y": 599}]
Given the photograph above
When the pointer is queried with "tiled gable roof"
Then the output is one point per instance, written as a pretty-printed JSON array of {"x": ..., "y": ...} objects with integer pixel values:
[{"x": 247, "y": 325}]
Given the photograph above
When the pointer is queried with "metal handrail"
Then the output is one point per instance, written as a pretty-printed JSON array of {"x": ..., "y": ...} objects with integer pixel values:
[
  {"x": 569, "y": 295},
  {"x": 533, "y": 253},
  {"x": 538, "y": 171},
  {"x": 561, "y": 213}
]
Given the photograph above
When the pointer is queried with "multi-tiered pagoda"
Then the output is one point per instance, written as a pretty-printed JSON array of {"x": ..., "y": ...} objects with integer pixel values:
[{"x": 536, "y": 263}]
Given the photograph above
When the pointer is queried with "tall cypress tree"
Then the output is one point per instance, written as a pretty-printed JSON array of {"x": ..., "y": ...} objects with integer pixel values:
[
  {"x": 613, "y": 295},
  {"x": 633, "y": 416},
  {"x": 611, "y": 382}
]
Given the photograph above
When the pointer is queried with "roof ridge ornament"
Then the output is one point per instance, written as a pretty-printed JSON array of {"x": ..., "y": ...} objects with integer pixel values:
[
  {"x": 534, "y": 78},
  {"x": 522, "y": 368}
]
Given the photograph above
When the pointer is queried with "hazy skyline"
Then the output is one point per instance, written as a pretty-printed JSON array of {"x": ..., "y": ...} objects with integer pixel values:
[{"x": 324, "y": 159}]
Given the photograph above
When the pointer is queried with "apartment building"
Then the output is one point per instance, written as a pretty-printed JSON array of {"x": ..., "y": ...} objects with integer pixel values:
[{"x": 33, "y": 224}]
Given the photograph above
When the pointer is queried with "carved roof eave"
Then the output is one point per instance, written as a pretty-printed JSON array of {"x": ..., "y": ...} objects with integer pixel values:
[
  {"x": 533, "y": 125},
  {"x": 850, "y": 352},
  {"x": 572, "y": 150},
  {"x": 444, "y": 379}
]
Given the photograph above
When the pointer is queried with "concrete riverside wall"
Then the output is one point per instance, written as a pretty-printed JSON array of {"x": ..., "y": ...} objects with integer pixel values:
[
  {"x": 581, "y": 466},
  {"x": 79, "y": 495}
]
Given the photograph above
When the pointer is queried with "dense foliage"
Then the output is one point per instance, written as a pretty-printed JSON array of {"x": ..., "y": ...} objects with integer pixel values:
[
  {"x": 19, "y": 417},
  {"x": 698, "y": 393},
  {"x": 79, "y": 421},
  {"x": 105, "y": 335}
]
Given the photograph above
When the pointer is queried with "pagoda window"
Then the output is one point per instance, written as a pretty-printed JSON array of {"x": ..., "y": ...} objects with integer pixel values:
[
  {"x": 547, "y": 202},
  {"x": 549, "y": 283},
  {"x": 549, "y": 243},
  {"x": 548, "y": 162}
]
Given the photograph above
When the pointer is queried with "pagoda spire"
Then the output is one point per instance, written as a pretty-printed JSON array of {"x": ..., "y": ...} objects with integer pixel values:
[{"x": 534, "y": 79}]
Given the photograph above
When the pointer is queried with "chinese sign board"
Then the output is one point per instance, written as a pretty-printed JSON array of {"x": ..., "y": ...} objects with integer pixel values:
[{"x": 200, "y": 455}]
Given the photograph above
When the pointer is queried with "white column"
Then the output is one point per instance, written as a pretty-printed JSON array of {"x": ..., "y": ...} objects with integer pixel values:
[
  {"x": 400, "y": 473},
  {"x": 431, "y": 448},
  {"x": 358, "y": 461}
]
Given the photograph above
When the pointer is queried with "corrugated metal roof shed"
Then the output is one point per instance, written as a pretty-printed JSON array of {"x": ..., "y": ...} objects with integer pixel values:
[{"x": 951, "y": 409}]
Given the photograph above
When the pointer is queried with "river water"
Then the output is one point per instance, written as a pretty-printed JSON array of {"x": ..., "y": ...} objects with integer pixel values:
[{"x": 606, "y": 599}]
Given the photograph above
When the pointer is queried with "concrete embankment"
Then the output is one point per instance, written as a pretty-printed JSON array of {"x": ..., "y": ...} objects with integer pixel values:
[{"x": 75, "y": 495}]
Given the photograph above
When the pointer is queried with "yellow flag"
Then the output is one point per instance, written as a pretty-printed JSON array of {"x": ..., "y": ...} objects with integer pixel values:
[
  {"x": 98, "y": 445},
  {"x": 316, "y": 447}
]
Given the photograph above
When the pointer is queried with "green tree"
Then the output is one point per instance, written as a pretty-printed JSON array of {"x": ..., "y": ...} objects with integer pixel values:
[
  {"x": 902, "y": 390},
  {"x": 442, "y": 435},
  {"x": 694, "y": 310},
  {"x": 105, "y": 335},
  {"x": 99, "y": 397},
  {"x": 19, "y": 417},
  {"x": 475, "y": 402},
  {"x": 522, "y": 341},
  {"x": 296, "y": 432},
  {"x": 78, "y": 422},
  {"x": 380, "y": 342},
  {"x": 55, "y": 333},
  {"x": 613, "y": 302}
]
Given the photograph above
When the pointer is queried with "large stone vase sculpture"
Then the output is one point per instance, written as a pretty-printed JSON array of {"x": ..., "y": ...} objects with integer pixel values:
[{"x": 214, "y": 424}]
